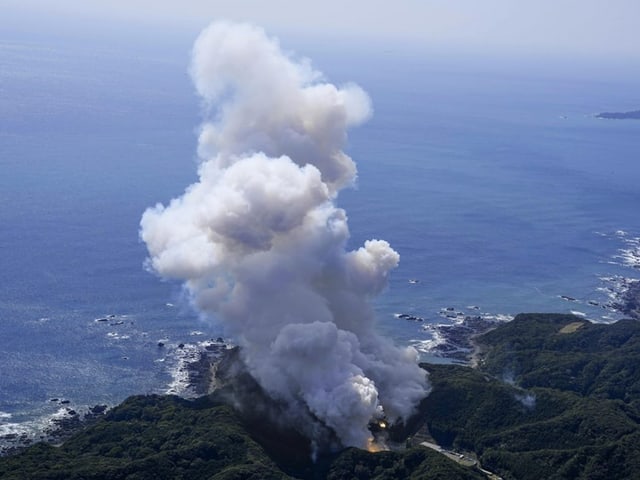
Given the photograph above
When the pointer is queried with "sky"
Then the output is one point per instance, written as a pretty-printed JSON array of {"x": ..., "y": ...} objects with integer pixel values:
[{"x": 588, "y": 28}]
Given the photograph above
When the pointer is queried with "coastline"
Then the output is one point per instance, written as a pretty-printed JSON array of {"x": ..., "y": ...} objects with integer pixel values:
[
  {"x": 629, "y": 303},
  {"x": 55, "y": 431},
  {"x": 453, "y": 339},
  {"x": 196, "y": 373},
  {"x": 192, "y": 376},
  {"x": 456, "y": 342}
]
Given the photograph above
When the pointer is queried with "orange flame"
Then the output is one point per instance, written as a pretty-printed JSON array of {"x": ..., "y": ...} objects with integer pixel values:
[{"x": 373, "y": 446}]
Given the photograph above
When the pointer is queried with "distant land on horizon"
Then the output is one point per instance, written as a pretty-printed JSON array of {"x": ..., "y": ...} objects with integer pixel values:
[{"x": 633, "y": 115}]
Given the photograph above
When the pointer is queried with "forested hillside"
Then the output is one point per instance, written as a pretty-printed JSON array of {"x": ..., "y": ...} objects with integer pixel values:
[{"x": 553, "y": 397}]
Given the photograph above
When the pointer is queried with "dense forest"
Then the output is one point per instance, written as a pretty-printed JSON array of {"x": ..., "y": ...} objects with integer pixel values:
[{"x": 554, "y": 396}]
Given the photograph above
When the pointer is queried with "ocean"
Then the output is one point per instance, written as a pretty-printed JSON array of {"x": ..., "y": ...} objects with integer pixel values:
[{"x": 493, "y": 180}]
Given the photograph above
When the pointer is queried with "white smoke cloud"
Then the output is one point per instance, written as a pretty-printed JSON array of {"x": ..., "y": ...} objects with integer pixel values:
[
  {"x": 528, "y": 400},
  {"x": 260, "y": 244}
]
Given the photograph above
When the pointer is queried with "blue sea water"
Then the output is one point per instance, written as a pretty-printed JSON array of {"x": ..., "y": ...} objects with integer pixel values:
[{"x": 496, "y": 185}]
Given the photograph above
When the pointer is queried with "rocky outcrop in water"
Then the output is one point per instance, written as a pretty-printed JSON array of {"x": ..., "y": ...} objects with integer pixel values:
[
  {"x": 61, "y": 427},
  {"x": 457, "y": 339},
  {"x": 629, "y": 302}
]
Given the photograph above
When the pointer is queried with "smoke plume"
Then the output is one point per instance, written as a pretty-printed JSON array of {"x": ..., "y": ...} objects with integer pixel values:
[{"x": 261, "y": 245}]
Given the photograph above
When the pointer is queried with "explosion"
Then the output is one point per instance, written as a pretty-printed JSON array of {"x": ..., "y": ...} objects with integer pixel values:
[{"x": 261, "y": 246}]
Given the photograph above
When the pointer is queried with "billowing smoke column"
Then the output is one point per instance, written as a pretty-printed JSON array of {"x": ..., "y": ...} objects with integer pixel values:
[{"x": 260, "y": 244}]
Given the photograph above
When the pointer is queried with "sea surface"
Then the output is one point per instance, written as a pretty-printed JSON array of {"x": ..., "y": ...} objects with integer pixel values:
[{"x": 494, "y": 181}]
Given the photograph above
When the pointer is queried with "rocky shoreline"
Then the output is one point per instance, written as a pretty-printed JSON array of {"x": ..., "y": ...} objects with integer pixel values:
[
  {"x": 195, "y": 372},
  {"x": 61, "y": 426},
  {"x": 194, "y": 376},
  {"x": 196, "y": 363},
  {"x": 629, "y": 300},
  {"x": 455, "y": 341}
]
